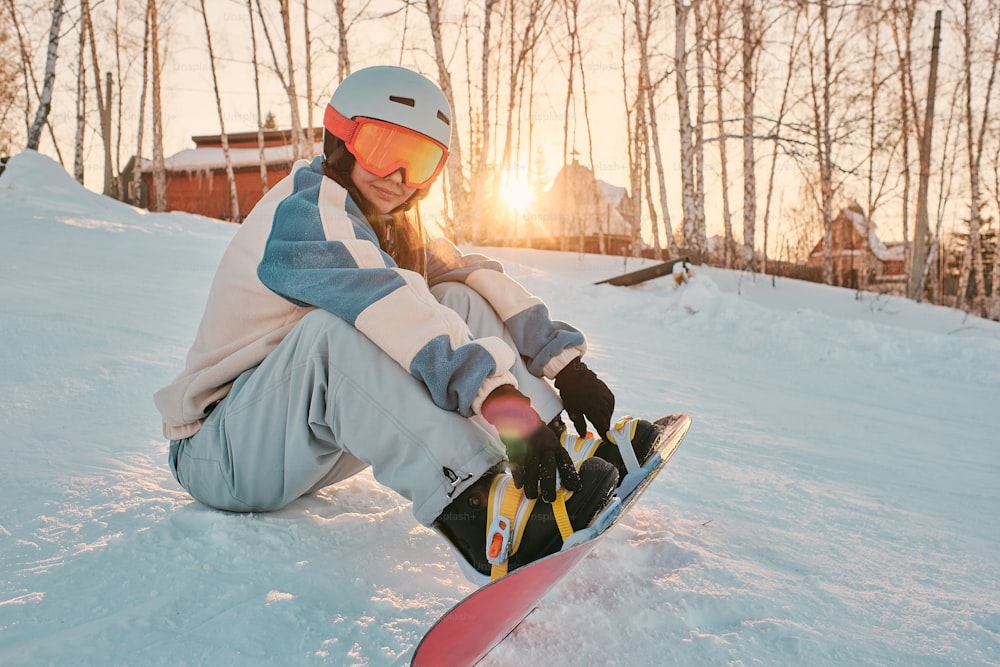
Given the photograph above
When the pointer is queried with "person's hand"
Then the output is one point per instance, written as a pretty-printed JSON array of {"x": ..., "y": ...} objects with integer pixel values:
[
  {"x": 533, "y": 449},
  {"x": 585, "y": 396}
]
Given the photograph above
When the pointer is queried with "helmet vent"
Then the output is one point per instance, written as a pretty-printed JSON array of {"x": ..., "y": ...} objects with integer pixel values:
[
  {"x": 443, "y": 118},
  {"x": 408, "y": 101}
]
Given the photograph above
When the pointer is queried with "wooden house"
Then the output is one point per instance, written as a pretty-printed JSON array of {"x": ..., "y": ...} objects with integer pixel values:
[
  {"x": 860, "y": 258},
  {"x": 578, "y": 213},
  {"x": 196, "y": 177}
]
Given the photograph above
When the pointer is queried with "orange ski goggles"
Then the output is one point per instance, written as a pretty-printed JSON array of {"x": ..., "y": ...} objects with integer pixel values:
[{"x": 382, "y": 147}]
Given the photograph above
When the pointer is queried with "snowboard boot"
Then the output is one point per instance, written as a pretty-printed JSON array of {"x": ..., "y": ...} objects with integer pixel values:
[
  {"x": 639, "y": 434},
  {"x": 496, "y": 529}
]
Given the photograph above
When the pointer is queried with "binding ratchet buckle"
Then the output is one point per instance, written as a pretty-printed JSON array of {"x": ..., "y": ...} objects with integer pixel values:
[{"x": 498, "y": 541}]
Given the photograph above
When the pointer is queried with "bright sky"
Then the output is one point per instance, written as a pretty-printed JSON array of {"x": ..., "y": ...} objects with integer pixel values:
[{"x": 190, "y": 105}]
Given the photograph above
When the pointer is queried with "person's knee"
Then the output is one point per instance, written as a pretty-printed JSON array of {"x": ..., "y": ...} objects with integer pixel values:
[{"x": 458, "y": 296}]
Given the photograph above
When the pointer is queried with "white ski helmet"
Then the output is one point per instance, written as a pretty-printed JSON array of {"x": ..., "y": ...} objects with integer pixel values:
[{"x": 395, "y": 95}]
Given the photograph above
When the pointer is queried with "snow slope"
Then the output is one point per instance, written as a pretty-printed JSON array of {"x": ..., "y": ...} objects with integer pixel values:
[{"x": 836, "y": 502}]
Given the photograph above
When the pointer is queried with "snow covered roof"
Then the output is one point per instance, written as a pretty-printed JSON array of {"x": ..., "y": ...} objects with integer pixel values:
[
  {"x": 882, "y": 251},
  {"x": 862, "y": 224},
  {"x": 207, "y": 159},
  {"x": 570, "y": 203}
]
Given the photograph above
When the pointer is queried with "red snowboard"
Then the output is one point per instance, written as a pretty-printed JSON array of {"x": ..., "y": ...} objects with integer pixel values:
[{"x": 467, "y": 632}]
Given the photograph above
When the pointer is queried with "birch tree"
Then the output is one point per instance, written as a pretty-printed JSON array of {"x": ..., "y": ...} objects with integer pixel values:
[
  {"x": 102, "y": 107},
  {"x": 901, "y": 16},
  {"x": 159, "y": 197},
  {"x": 523, "y": 42},
  {"x": 752, "y": 32},
  {"x": 135, "y": 192},
  {"x": 10, "y": 98},
  {"x": 234, "y": 202},
  {"x": 993, "y": 308},
  {"x": 256, "y": 80},
  {"x": 456, "y": 179},
  {"x": 644, "y": 15},
  {"x": 880, "y": 144},
  {"x": 310, "y": 140},
  {"x": 633, "y": 126},
  {"x": 293, "y": 97},
  {"x": 49, "y": 79},
  {"x": 975, "y": 133},
  {"x": 695, "y": 241},
  {"x": 828, "y": 68},
  {"x": 286, "y": 78},
  {"x": 343, "y": 54},
  {"x": 81, "y": 104},
  {"x": 918, "y": 259},
  {"x": 722, "y": 57},
  {"x": 777, "y": 131}
]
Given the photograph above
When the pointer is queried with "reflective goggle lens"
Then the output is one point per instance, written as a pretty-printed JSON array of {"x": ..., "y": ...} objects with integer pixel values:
[{"x": 383, "y": 148}]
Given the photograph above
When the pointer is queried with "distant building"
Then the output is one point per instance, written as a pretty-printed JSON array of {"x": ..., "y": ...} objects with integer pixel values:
[
  {"x": 579, "y": 213},
  {"x": 196, "y": 177},
  {"x": 857, "y": 248}
]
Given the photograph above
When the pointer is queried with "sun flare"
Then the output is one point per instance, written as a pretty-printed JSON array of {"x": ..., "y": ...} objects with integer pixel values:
[{"x": 517, "y": 194}]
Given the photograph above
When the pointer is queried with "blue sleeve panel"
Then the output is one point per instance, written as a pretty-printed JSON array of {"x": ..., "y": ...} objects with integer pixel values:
[
  {"x": 537, "y": 336},
  {"x": 352, "y": 278}
]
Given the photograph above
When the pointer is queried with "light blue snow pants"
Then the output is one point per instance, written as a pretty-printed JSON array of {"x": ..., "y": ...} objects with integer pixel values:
[{"x": 327, "y": 403}]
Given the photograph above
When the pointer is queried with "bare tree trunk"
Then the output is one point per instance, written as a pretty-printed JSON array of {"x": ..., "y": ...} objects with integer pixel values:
[
  {"x": 699, "y": 124},
  {"x": 647, "y": 162},
  {"x": 456, "y": 179},
  {"x": 632, "y": 136},
  {"x": 81, "y": 107},
  {"x": 875, "y": 177},
  {"x": 520, "y": 54},
  {"x": 643, "y": 27},
  {"x": 310, "y": 139},
  {"x": 136, "y": 189},
  {"x": 778, "y": 127},
  {"x": 293, "y": 97},
  {"x": 289, "y": 83},
  {"x": 159, "y": 164},
  {"x": 974, "y": 147},
  {"x": 595, "y": 193},
  {"x": 102, "y": 108},
  {"x": 49, "y": 80},
  {"x": 569, "y": 204},
  {"x": 722, "y": 59},
  {"x": 260, "y": 119},
  {"x": 915, "y": 288},
  {"x": 993, "y": 308},
  {"x": 343, "y": 56},
  {"x": 694, "y": 238},
  {"x": 820, "y": 92},
  {"x": 903, "y": 13},
  {"x": 932, "y": 272},
  {"x": 234, "y": 202},
  {"x": 751, "y": 45}
]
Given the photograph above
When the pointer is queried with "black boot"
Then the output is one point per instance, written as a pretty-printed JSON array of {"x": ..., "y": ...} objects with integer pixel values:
[
  {"x": 464, "y": 521},
  {"x": 643, "y": 440}
]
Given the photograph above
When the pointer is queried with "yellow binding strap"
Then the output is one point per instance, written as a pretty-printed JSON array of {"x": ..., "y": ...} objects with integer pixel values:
[{"x": 562, "y": 516}]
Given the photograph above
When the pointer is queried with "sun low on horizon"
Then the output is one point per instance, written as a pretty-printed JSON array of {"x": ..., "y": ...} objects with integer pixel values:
[{"x": 517, "y": 194}]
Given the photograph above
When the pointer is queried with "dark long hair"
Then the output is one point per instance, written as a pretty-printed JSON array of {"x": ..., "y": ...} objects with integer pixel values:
[{"x": 399, "y": 232}]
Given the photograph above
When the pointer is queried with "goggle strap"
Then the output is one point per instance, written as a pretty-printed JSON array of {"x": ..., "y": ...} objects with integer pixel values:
[{"x": 339, "y": 125}]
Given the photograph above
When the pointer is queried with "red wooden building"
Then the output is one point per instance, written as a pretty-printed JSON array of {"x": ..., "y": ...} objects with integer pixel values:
[{"x": 196, "y": 177}]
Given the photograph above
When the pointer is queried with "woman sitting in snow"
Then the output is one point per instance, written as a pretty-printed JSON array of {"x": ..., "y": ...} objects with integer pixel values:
[{"x": 334, "y": 339}]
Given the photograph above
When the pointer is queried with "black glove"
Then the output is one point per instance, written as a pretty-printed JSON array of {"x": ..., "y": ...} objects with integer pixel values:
[
  {"x": 584, "y": 395},
  {"x": 533, "y": 449}
]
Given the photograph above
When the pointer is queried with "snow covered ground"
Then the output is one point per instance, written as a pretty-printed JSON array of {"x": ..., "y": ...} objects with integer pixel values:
[{"x": 835, "y": 503}]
